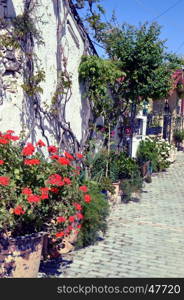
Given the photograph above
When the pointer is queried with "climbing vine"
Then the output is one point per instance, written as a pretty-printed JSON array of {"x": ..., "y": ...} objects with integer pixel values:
[{"x": 22, "y": 33}]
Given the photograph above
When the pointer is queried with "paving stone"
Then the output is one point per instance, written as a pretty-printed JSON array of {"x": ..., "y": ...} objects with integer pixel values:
[{"x": 144, "y": 239}]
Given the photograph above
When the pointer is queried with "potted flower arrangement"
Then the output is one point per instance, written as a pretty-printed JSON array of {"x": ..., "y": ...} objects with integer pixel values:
[{"x": 38, "y": 196}]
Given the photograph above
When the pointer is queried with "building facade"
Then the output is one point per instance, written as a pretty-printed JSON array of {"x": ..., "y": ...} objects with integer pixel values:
[{"x": 52, "y": 55}]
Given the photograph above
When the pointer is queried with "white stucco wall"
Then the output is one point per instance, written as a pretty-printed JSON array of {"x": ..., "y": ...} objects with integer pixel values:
[{"x": 73, "y": 47}]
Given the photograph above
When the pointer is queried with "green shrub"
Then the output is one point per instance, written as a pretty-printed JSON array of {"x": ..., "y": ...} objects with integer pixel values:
[
  {"x": 95, "y": 214},
  {"x": 129, "y": 186},
  {"x": 178, "y": 136}
]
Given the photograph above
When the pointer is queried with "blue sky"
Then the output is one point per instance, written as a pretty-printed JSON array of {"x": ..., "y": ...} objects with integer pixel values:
[{"x": 168, "y": 13}]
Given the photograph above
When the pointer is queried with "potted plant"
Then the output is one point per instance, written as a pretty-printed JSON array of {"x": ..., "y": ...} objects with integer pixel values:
[{"x": 38, "y": 196}]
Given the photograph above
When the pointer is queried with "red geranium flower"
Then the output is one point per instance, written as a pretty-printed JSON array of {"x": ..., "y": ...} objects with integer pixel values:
[
  {"x": 18, "y": 210},
  {"x": 1, "y": 162},
  {"x": 83, "y": 188},
  {"x": 33, "y": 198},
  {"x": 79, "y": 216},
  {"x": 54, "y": 190},
  {"x": 60, "y": 234},
  {"x": 69, "y": 156},
  {"x": 87, "y": 198},
  {"x": 52, "y": 149},
  {"x": 67, "y": 180},
  {"x": 56, "y": 180},
  {"x": 3, "y": 141},
  {"x": 4, "y": 180},
  {"x": 10, "y": 131},
  {"x": 77, "y": 206},
  {"x": 33, "y": 161},
  {"x": 71, "y": 219},
  {"x": 69, "y": 228},
  {"x": 28, "y": 149},
  {"x": 15, "y": 138},
  {"x": 27, "y": 191},
  {"x": 79, "y": 155},
  {"x": 63, "y": 161},
  {"x": 61, "y": 219},
  {"x": 40, "y": 143},
  {"x": 79, "y": 226},
  {"x": 45, "y": 193},
  {"x": 55, "y": 156}
]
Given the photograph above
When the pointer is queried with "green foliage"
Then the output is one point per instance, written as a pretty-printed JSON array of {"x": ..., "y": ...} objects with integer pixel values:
[
  {"x": 178, "y": 136},
  {"x": 129, "y": 186},
  {"x": 32, "y": 85},
  {"x": 99, "y": 75},
  {"x": 95, "y": 214},
  {"x": 119, "y": 166}
]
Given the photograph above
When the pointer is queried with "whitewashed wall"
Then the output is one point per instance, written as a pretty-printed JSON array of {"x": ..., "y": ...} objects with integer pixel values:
[{"x": 73, "y": 46}]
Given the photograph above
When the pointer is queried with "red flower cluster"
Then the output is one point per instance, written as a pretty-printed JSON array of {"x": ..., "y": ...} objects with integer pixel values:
[
  {"x": 55, "y": 156},
  {"x": 71, "y": 219},
  {"x": 18, "y": 210},
  {"x": 79, "y": 155},
  {"x": 40, "y": 143},
  {"x": 44, "y": 193},
  {"x": 79, "y": 216},
  {"x": 3, "y": 141},
  {"x": 5, "y": 138},
  {"x": 87, "y": 198},
  {"x": 27, "y": 191},
  {"x": 61, "y": 219},
  {"x": 83, "y": 188},
  {"x": 69, "y": 156},
  {"x": 60, "y": 234},
  {"x": 54, "y": 190},
  {"x": 33, "y": 198},
  {"x": 67, "y": 180},
  {"x": 52, "y": 149},
  {"x": 63, "y": 161},
  {"x": 33, "y": 161},
  {"x": 1, "y": 162},
  {"x": 28, "y": 149},
  {"x": 56, "y": 179},
  {"x": 4, "y": 180},
  {"x": 77, "y": 206}
]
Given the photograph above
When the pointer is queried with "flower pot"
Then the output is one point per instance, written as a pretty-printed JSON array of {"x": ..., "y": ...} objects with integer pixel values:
[
  {"x": 116, "y": 185},
  {"x": 20, "y": 257},
  {"x": 115, "y": 198}
]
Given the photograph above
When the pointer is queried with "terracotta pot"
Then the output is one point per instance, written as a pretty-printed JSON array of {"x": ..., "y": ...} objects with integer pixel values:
[{"x": 20, "y": 257}]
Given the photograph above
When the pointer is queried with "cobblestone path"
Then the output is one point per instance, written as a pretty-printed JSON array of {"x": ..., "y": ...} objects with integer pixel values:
[{"x": 145, "y": 238}]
